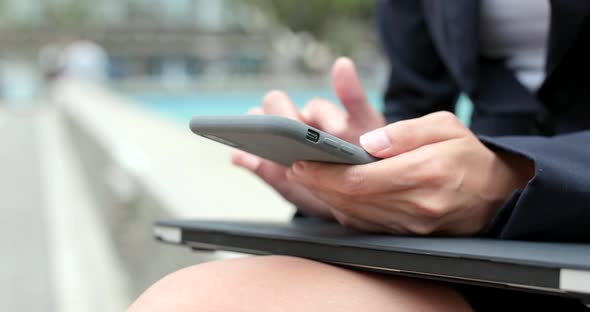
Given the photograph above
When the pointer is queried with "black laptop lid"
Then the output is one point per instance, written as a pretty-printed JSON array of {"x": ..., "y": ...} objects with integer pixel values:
[{"x": 558, "y": 268}]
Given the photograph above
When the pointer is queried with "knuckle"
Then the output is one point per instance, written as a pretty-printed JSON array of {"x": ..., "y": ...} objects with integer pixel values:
[
  {"x": 448, "y": 119},
  {"x": 353, "y": 182},
  {"x": 445, "y": 116},
  {"x": 431, "y": 210},
  {"x": 421, "y": 228},
  {"x": 434, "y": 211}
]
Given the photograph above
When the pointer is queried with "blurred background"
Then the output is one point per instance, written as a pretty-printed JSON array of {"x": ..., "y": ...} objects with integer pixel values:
[{"x": 95, "y": 98}]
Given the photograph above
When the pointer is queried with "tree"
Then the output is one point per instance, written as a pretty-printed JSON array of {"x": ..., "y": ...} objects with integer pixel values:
[
  {"x": 338, "y": 22},
  {"x": 313, "y": 16}
]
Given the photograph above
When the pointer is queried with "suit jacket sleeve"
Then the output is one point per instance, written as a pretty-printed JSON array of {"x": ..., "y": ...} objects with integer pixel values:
[
  {"x": 419, "y": 83},
  {"x": 555, "y": 205}
]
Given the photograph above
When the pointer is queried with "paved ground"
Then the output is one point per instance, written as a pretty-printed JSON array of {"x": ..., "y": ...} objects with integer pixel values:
[
  {"x": 54, "y": 253},
  {"x": 76, "y": 236},
  {"x": 25, "y": 255},
  {"x": 86, "y": 275}
]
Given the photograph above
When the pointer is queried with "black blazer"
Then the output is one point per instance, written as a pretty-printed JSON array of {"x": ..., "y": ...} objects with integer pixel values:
[{"x": 433, "y": 47}]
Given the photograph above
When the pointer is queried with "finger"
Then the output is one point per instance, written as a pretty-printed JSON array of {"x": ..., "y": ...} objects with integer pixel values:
[
  {"x": 245, "y": 160},
  {"x": 350, "y": 92},
  {"x": 256, "y": 111},
  {"x": 358, "y": 192},
  {"x": 407, "y": 135},
  {"x": 324, "y": 115},
  {"x": 393, "y": 219},
  {"x": 268, "y": 171},
  {"x": 399, "y": 173},
  {"x": 400, "y": 212},
  {"x": 275, "y": 175},
  {"x": 278, "y": 103},
  {"x": 405, "y": 210}
]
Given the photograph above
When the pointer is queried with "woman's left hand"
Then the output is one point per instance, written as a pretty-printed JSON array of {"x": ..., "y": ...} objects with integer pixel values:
[{"x": 435, "y": 177}]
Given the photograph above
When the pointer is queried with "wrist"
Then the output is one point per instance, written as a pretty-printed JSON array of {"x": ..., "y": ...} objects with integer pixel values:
[{"x": 517, "y": 171}]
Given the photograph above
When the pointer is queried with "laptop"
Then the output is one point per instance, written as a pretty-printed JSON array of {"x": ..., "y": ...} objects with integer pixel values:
[{"x": 561, "y": 269}]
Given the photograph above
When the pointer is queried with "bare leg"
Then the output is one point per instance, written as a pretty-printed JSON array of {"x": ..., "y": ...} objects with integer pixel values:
[{"x": 277, "y": 283}]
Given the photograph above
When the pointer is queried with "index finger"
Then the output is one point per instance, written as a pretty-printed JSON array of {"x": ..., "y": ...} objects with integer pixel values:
[
  {"x": 278, "y": 103},
  {"x": 407, "y": 135},
  {"x": 350, "y": 92},
  {"x": 387, "y": 175}
]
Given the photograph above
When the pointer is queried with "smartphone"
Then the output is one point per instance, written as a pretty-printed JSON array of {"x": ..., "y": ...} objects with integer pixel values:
[{"x": 278, "y": 139}]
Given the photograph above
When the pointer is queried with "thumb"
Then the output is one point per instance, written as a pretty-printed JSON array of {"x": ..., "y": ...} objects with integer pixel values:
[
  {"x": 407, "y": 135},
  {"x": 350, "y": 92}
]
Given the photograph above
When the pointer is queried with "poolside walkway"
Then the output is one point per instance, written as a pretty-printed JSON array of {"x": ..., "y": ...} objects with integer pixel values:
[
  {"x": 191, "y": 175},
  {"x": 25, "y": 269},
  {"x": 55, "y": 253},
  {"x": 76, "y": 227},
  {"x": 116, "y": 168}
]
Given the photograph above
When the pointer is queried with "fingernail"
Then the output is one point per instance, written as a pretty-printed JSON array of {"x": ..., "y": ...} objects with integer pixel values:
[
  {"x": 249, "y": 162},
  {"x": 375, "y": 141}
]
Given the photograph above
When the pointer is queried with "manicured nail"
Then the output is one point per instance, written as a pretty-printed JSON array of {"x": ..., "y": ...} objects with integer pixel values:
[
  {"x": 249, "y": 162},
  {"x": 375, "y": 141}
]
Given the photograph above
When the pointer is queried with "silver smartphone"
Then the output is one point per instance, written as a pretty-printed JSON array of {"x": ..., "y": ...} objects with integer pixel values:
[{"x": 278, "y": 139}]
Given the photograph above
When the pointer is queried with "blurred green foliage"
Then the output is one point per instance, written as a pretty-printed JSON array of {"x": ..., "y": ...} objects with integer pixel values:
[
  {"x": 314, "y": 16},
  {"x": 340, "y": 23},
  {"x": 70, "y": 12},
  {"x": 62, "y": 12}
]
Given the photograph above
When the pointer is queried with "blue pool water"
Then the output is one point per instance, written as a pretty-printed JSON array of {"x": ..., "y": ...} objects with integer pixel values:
[{"x": 181, "y": 107}]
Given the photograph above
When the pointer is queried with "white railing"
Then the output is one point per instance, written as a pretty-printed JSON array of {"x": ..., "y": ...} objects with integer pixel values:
[{"x": 141, "y": 167}]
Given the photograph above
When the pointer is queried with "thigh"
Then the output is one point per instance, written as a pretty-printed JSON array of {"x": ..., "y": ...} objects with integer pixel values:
[{"x": 275, "y": 283}]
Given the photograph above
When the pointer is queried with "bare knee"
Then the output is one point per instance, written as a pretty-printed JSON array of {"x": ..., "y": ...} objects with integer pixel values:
[{"x": 290, "y": 284}]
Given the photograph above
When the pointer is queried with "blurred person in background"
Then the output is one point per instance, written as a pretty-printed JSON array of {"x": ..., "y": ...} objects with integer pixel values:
[
  {"x": 520, "y": 172},
  {"x": 85, "y": 60}
]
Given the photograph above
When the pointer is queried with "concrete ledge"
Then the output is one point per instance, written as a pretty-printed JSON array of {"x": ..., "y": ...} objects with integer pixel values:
[{"x": 140, "y": 167}]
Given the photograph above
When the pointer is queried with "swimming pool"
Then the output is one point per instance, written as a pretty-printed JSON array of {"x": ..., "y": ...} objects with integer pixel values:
[{"x": 181, "y": 107}]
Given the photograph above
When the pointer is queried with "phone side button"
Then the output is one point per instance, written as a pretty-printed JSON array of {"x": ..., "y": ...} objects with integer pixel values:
[
  {"x": 347, "y": 150},
  {"x": 331, "y": 143}
]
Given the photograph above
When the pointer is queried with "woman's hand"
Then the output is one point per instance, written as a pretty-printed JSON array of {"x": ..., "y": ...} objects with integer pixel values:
[
  {"x": 436, "y": 178},
  {"x": 358, "y": 118}
]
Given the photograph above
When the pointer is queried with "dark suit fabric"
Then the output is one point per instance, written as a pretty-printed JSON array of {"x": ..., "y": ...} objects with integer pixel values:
[{"x": 433, "y": 48}]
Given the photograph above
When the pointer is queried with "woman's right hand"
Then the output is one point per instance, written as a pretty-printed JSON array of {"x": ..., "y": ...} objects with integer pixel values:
[{"x": 349, "y": 124}]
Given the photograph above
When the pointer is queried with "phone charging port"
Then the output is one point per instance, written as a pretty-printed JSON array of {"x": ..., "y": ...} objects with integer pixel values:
[{"x": 312, "y": 135}]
